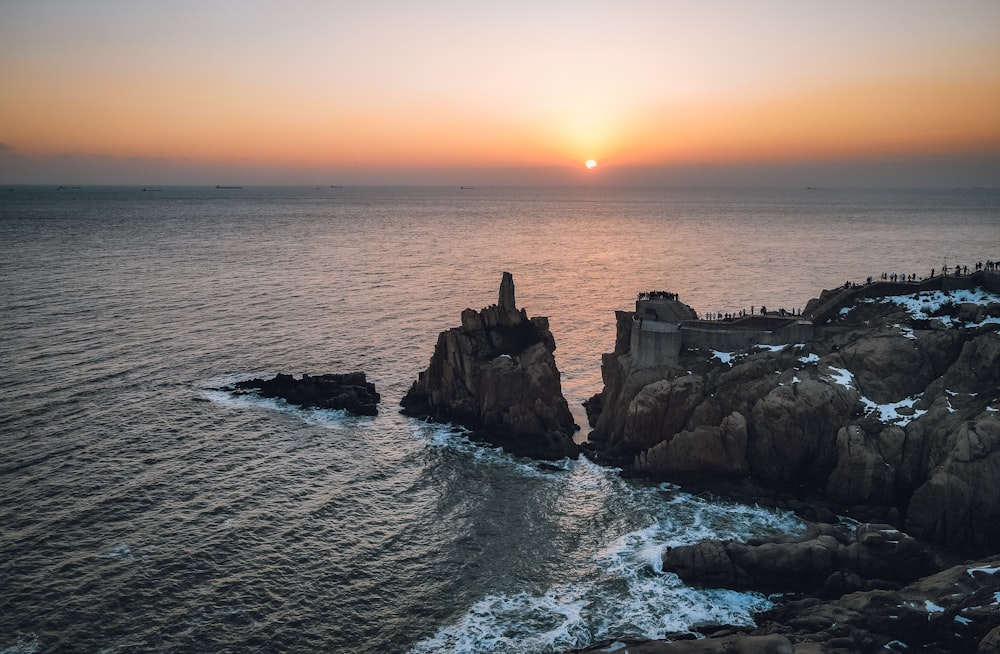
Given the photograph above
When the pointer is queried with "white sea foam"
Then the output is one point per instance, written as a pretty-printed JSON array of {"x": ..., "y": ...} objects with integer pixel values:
[
  {"x": 568, "y": 617},
  {"x": 626, "y": 593},
  {"x": 458, "y": 439},
  {"x": 22, "y": 647},
  {"x": 519, "y": 622},
  {"x": 118, "y": 552}
]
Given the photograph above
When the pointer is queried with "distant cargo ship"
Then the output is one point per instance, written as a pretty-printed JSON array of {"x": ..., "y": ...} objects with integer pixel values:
[{"x": 217, "y": 186}]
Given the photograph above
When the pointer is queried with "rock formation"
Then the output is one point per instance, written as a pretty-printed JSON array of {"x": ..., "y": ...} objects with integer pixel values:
[
  {"x": 496, "y": 375},
  {"x": 350, "y": 392},
  {"x": 954, "y": 610},
  {"x": 825, "y": 561},
  {"x": 892, "y": 410}
]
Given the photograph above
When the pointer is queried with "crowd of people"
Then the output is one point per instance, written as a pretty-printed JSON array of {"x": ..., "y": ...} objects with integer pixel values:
[
  {"x": 743, "y": 313},
  {"x": 657, "y": 295},
  {"x": 886, "y": 277},
  {"x": 953, "y": 271}
]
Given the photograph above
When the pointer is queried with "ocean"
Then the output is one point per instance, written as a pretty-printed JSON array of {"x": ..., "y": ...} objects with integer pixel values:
[{"x": 141, "y": 509}]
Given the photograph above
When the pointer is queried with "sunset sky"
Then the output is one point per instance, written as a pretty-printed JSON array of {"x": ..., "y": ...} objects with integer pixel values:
[{"x": 524, "y": 92}]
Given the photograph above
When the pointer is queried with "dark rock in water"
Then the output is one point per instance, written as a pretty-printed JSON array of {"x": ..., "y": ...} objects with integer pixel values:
[
  {"x": 496, "y": 376},
  {"x": 824, "y": 561},
  {"x": 349, "y": 392}
]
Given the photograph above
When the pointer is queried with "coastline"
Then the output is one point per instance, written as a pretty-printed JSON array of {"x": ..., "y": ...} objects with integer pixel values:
[{"x": 874, "y": 435}]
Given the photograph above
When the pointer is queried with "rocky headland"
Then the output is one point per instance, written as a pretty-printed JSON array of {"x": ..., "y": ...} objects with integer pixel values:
[
  {"x": 888, "y": 410},
  {"x": 350, "y": 392},
  {"x": 496, "y": 375},
  {"x": 874, "y": 413}
]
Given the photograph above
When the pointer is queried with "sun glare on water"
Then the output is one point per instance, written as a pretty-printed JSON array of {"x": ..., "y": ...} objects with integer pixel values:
[{"x": 591, "y": 164}]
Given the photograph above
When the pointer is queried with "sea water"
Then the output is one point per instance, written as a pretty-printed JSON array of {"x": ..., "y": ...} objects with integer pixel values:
[{"x": 141, "y": 509}]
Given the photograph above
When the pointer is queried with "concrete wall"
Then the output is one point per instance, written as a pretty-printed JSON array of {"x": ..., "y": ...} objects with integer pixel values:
[
  {"x": 654, "y": 343},
  {"x": 659, "y": 342},
  {"x": 733, "y": 338},
  {"x": 990, "y": 280}
]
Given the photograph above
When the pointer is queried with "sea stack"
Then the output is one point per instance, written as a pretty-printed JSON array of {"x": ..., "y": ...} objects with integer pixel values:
[{"x": 496, "y": 375}]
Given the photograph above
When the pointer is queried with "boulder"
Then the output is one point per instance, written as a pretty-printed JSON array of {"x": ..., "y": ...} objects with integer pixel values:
[
  {"x": 496, "y": 375},
  {"x": 959, "y": 504},
  {"x": 821, "y": 561},
  {"x": 887, "y": 366},
  {"x": 350, "y": 392},
  {"x": 795, "y": 430},
  {"x": 687, "y": 455}
]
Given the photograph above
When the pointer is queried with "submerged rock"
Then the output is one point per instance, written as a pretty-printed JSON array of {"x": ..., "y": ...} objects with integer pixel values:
[
  {"x": 496, "y": 375},
  {"x": 349, "y": 392}
]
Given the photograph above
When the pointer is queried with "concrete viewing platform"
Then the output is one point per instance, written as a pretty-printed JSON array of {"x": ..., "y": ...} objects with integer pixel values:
[{"x": 662, "y": 324}]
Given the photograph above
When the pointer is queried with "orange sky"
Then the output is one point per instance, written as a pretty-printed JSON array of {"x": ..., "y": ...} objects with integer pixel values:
[{"x": 317, "y": 90}]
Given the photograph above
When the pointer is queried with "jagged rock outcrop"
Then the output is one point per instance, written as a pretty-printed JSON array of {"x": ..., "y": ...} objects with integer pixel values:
[
  {"x": 875, "y": 591},
  {"x": 954, "y": 610},
  {"x": 349, "y": 392},
  {"x": 887, "y": 411},
  {"x": 824, "y": 561},
  {"x": 496, "y": 375}
]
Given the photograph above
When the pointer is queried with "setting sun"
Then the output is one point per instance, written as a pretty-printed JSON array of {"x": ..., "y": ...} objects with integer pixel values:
[{"x": 109, "y": 96}]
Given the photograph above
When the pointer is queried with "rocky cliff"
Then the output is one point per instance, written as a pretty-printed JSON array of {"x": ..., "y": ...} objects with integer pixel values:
[
  {"x": 892, "y": 411},
  {"x": 496, "y": 375}
]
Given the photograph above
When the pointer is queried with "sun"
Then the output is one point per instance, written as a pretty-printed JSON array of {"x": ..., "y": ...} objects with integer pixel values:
[{"x": 591, "y": 164}]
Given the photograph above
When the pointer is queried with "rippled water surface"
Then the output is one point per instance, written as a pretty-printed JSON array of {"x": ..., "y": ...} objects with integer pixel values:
[{"x": 141, "y": 510}]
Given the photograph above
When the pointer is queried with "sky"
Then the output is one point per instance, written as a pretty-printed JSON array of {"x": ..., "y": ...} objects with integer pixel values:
[{"x": 658, "y": 92}]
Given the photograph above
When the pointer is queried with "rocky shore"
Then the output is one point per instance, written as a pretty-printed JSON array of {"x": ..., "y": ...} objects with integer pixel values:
[
  {"x": 891, "y": 413},
  {"x": 955, "y": 611}
]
